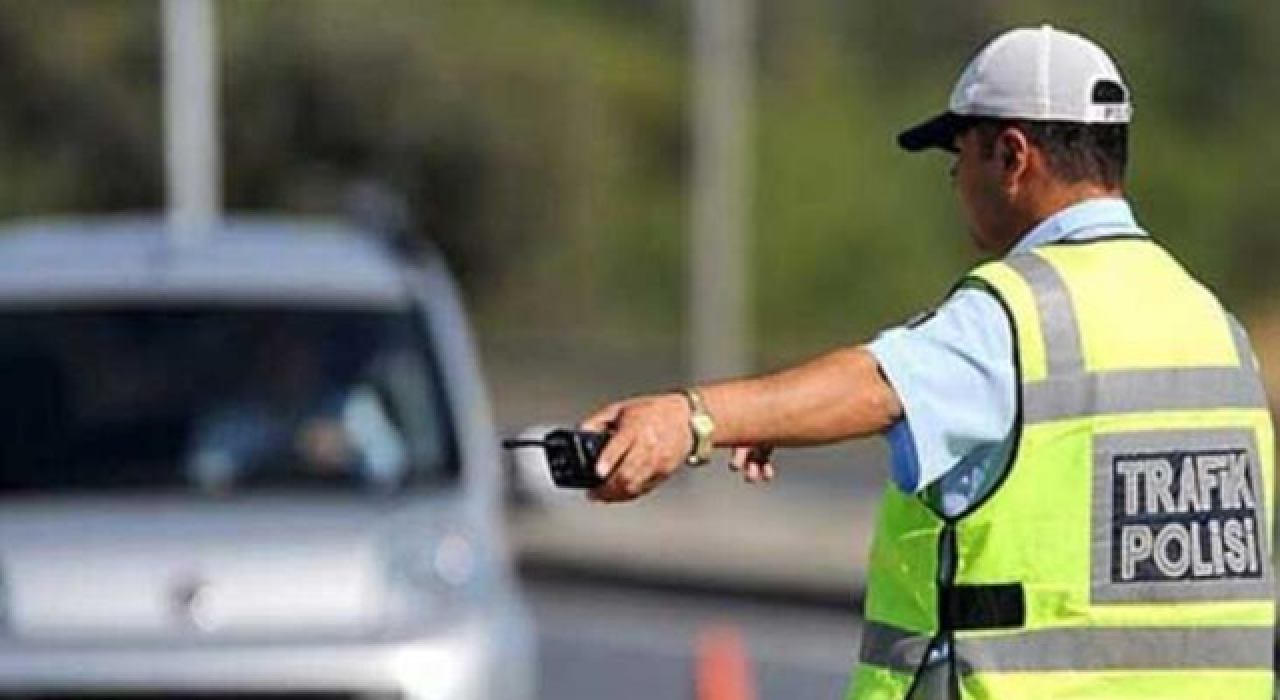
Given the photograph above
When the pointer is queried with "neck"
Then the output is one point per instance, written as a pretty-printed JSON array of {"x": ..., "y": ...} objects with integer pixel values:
[
  {"x": 1057, "y": 198},
  {"x": 1053, "y": 199}
]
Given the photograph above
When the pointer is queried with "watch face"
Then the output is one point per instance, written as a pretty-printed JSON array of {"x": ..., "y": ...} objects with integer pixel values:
[{"x": 702, "y": 427}]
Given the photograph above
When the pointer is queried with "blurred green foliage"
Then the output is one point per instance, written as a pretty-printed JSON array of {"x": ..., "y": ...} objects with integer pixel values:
[{"x": 544, "y": 143}]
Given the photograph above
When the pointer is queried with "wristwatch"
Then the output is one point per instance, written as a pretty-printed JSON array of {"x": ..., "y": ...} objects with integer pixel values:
[{"x": 702, "y": 426}]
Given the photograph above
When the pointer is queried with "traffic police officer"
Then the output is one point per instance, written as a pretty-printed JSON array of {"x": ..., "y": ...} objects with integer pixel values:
[{"x": 1082, "y": 452}]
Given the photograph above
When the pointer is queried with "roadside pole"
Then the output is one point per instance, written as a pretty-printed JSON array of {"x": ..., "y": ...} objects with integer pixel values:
[
  {"x": 721, "y": 184},
  {"x": 723, "y": 75},
  {"x": 193, "y": 167}
]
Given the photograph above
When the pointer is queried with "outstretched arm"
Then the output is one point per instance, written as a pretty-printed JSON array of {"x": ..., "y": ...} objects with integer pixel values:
[{"x": 833, "y": 397}]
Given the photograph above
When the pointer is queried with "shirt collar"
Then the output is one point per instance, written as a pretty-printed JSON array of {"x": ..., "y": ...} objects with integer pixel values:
[{"x": 1091, "y": 218}]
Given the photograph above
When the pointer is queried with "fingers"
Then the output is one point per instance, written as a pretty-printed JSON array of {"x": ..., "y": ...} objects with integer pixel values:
[
  {"x": 758, "y": 472},
  {"x": 617, "y": 468},
  {"x": 646, "y": 447},
  {"x": 614, "y": 489},
  {"x": 632, "y": 476},
  {"x": 755, "y": 463},
  {"x": 614, "y": 450}
]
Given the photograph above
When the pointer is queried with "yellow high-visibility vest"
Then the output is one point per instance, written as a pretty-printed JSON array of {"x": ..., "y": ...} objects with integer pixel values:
[{"x": 1125, "y": 552}]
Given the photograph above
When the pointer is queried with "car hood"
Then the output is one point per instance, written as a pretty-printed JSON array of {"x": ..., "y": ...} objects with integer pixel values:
[{"x": 255, "y": 568}]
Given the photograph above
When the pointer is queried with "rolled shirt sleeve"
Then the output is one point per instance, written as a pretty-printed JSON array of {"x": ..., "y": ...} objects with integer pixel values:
[{"x": 954, "y": 375}]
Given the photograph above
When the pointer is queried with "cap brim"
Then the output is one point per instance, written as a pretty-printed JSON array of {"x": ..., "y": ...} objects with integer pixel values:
[{"x": 938, "y": 132}]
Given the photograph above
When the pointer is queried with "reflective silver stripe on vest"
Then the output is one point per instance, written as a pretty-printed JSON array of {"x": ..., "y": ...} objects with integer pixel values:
[
  {"x": 1129, "y": 649},
  {"x": 891, "y": 647},
  {"x": 1069, "y": 392},
  {"x": 1141, "y": 390},
  {"x": 1079, "y": 649},
  {"x": 1063, "y": 350}
]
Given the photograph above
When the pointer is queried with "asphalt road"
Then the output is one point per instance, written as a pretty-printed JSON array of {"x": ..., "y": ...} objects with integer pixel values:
[{"x": 600, "y": 641}]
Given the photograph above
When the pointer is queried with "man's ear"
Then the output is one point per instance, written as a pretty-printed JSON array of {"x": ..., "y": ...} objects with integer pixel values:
[{"x": 1013, "y": 148}]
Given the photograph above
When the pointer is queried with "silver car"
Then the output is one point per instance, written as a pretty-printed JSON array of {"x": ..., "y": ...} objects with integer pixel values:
[{"x": 260, "y": 463}]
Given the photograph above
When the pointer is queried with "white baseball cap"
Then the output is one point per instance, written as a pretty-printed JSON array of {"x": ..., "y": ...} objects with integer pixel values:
[{"x": 1042, "y": 74}]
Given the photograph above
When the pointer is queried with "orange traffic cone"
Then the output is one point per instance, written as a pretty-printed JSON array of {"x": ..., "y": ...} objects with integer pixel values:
[{"x": 723, "y": 670}]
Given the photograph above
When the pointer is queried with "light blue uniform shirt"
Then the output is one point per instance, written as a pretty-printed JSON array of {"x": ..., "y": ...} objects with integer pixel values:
[{"x": 954, "y": 374}]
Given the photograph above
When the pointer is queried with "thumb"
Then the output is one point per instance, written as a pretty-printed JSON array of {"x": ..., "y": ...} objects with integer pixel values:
[{"x": 603, "y": 419}]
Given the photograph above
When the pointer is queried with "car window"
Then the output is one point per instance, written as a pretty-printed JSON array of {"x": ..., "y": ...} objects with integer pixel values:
[{"x": 219, "y": 401}]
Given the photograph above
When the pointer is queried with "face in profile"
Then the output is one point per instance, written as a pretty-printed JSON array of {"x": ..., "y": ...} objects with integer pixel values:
[{"x": 978, "y": 177}]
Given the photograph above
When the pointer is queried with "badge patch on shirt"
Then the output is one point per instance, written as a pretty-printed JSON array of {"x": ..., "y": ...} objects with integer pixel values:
[{"x": 1179, "y": 516}]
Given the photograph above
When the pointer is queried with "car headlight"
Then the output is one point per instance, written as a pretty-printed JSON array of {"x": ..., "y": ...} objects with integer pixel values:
[{"x": 434, "y": 579}]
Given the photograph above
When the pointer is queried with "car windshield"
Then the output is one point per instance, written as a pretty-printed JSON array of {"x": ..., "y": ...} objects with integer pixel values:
[{"x": 219, "y": 401}]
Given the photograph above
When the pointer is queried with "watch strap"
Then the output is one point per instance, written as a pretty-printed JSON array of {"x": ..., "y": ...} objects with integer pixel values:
[{"x": 701, "y": 426}]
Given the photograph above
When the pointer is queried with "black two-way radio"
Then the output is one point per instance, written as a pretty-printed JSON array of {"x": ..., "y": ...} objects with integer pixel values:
[{"x": 571, "y": 456}]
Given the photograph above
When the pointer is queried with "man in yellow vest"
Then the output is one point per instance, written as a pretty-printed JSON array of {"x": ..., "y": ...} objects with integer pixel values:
[{"x": 1082, "y": 451}]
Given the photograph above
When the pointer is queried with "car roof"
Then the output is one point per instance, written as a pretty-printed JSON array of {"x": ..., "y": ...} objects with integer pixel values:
[{"x": 241, "y": 260}]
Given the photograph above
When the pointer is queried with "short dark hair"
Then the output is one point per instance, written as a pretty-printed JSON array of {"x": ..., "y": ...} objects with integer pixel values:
[{"x": 1075, "y": 152}]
